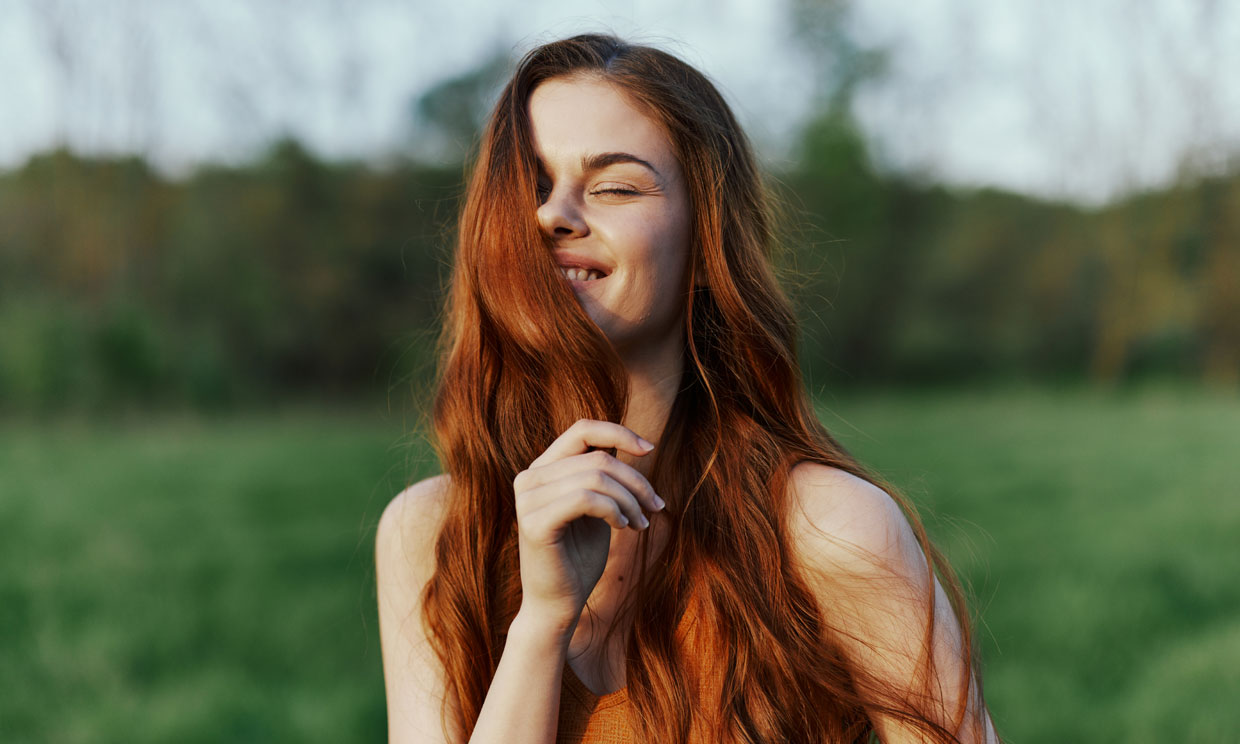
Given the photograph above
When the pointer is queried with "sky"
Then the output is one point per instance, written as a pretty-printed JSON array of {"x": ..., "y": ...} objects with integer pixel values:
[{"x": 1080, "y": 99}]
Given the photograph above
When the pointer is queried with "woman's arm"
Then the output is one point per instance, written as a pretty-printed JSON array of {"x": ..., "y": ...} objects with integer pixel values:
[
  {"x": 523, "y": 702},
  {"x": 873, "y": 584},
  {"x": 567, "y": 503}
]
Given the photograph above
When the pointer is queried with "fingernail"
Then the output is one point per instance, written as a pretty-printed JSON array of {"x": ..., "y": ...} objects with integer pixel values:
[
  {"x": 624, "y": 521},
  {"x": 645, "y": 445},
  {"x": 645, "y": 522},
  {"x": 658, "y": 502}
]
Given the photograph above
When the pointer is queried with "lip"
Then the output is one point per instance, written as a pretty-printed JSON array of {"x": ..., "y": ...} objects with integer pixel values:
[{"x": 570, "y": 260}]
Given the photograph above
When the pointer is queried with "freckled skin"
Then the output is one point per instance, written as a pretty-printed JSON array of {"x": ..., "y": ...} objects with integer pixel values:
[{"x": 634, "y": 220}]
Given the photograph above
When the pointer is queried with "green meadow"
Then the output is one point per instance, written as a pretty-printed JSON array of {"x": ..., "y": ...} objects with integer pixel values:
[{"x": 190, "y": 579}]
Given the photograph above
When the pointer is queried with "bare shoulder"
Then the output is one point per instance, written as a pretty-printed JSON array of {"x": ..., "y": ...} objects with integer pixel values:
[
  {"x": 872, "y": 579},
  {"x": 411, "y": 521},
  {"x": 405, "y": 543},
  {"x": 404, "y": 563},
  {"x": 839, "y": 521}
]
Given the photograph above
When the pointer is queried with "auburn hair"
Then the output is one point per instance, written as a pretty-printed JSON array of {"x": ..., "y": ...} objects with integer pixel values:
[{"x": 521, "y": 361}]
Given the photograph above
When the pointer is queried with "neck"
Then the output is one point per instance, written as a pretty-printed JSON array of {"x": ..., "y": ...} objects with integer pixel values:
[{"x": 654, "y": 381}]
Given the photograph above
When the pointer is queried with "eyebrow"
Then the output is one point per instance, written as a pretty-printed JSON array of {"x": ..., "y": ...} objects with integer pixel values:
[{"x": 602, "y": 160}]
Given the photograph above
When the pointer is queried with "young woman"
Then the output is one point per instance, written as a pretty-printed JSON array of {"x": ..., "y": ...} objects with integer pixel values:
[{"x": 643, "y": 533}]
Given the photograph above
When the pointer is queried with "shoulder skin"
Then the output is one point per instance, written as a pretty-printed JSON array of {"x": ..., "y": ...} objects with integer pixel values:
[
  {"x": 878, "y": 596},
  {"x": 404, "y": 563}
]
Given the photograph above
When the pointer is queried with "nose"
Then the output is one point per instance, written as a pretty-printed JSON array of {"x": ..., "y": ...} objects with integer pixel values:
[{"x": 560, "y": 216}]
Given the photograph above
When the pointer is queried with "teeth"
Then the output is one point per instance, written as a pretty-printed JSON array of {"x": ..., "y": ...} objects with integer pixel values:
[{"x": 581, "y": 275}]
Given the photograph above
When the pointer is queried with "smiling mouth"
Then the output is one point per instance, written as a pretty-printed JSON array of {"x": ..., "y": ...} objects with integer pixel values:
[{"x": 581, "y": 275}]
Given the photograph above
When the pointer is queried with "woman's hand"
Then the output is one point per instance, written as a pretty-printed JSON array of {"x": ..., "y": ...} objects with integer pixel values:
[{"x": 568, "y": 501}]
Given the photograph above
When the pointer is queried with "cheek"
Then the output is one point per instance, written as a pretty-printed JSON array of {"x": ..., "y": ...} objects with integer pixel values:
[
  {"x": 654, "y": 244},
  {"x": 667, "y": 241},
  {"x": 675, "y": 245}
]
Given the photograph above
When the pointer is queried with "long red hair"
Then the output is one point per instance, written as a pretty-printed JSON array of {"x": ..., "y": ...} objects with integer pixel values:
[{"x": 522, "y": 361}]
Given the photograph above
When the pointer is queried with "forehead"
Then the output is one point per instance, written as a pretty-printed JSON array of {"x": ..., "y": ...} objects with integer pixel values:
[{"x": 574, "y": 117}]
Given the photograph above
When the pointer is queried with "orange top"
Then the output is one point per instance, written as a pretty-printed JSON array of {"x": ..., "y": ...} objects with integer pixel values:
[{"x": 586, "y": 718}]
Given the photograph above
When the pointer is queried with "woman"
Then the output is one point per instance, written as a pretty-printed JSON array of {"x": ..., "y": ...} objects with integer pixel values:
[{"x": 643, "y": 532}]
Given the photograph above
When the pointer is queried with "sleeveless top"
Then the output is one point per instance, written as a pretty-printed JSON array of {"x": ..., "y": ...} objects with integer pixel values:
[{"x": 586, "y": 718}]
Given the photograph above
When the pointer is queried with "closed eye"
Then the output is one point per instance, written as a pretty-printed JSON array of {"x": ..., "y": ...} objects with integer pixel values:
[{"x": 622, "y": 192}]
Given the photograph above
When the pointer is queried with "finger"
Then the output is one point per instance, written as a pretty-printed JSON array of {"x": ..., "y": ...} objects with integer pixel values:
[
  {"x": 626, "y": 475},
  {"x": 570, "y": 485},
  {"x": 546, "y": 524},
  {"x": 600, "y": 482},
  {"x": 632, "y": 481},
  {"x": 586, "y": 434}
]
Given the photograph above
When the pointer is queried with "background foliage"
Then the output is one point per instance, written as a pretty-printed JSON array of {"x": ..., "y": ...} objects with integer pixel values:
[{"x": 293, "y": 276}]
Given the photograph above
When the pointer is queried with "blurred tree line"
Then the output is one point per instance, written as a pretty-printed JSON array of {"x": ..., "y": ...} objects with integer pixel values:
[
  {"x": 916, "y": 282},
  {"x": 291, "y": 276},
  {"x": 286, "y": 277}
]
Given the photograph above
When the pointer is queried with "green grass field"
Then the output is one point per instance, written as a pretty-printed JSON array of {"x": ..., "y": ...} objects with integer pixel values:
[{"x": 191, "y": 580}]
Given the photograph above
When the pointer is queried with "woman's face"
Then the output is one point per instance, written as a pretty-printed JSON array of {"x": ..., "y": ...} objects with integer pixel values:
[{"x": 615, "y": 203}]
